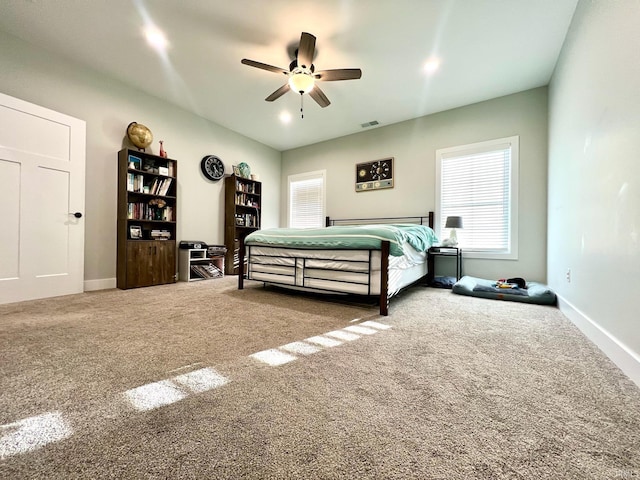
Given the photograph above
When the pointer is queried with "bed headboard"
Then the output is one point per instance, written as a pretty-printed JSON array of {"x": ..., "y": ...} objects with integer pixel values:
[{"x": 426, "y": 220}]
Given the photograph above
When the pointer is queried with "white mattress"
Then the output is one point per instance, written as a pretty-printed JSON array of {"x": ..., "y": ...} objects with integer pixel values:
[{"x": 333, "y": 271}]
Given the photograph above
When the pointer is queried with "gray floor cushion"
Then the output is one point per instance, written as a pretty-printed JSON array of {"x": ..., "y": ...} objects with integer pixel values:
[{"x": 480, "y": 287}]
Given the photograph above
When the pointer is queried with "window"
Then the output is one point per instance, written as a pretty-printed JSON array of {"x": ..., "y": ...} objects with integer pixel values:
[
  {"x": 479, "y": 182},
  {"x": 306, "y": 200}
]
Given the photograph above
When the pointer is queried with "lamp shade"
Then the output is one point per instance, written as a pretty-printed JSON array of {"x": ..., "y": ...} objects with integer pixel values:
[
  {"x": 453, "y": 222},
  {"x": 301, "y": 82}
]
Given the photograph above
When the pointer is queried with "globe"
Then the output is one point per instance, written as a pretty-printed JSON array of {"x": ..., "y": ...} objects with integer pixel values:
[{"x": 139, "y": 135}]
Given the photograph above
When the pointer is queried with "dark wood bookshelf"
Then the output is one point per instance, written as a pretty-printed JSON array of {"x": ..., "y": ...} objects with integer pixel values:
[
  {"x": 146, "y": 225},
  {"x": 243, "y": 203}
]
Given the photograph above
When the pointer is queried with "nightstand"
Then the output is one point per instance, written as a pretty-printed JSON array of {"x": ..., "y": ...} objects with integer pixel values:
[{"x": 434, "y": 252}]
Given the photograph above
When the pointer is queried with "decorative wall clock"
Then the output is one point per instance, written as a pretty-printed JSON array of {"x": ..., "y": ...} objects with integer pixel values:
[
  {"x": 374, "y": 175},
  {"x": 212, "y": 167}
]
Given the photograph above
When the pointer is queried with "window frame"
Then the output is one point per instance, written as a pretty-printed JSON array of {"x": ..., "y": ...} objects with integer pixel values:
[
  {"x": 298, "y": 177},
  {"x": 477, "y": 148}
]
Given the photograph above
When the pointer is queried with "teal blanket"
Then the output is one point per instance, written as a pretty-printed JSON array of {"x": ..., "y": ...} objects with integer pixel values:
[{"x": 353, "y": 237}]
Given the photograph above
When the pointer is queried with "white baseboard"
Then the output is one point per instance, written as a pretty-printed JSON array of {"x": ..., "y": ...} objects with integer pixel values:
[
  {"x": 626, "y": 359},
  {"x": 102, "y": 284}
]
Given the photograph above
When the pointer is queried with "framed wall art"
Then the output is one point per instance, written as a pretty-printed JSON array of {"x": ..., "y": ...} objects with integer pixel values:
[{"x": 374, "y": 175}]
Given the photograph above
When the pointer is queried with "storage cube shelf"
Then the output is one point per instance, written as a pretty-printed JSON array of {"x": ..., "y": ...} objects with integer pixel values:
[{"x": 195, "y": 265}]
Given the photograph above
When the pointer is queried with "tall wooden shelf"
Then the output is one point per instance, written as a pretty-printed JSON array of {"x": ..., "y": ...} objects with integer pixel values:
[
  {"x": 147, "y": 209},
  {"x": 243, "y": 203}
]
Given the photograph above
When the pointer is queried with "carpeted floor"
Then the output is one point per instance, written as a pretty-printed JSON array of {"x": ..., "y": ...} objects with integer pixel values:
[{"x": 200, "y": 380}]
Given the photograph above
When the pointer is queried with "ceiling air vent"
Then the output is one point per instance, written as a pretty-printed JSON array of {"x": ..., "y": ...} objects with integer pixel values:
[{"x": 373, "y": 123}]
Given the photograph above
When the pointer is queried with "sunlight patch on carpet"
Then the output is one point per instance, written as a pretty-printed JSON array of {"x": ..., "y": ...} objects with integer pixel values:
[
  {"x": 201, "y": 380},
  {"x": 342, "y": 335},
  {"x": 300, "y": 348},
  {"x": 379, "y": 326},
  {"x": 323, "y": 341},
  {"x": 32, "y": 433},
  {"x": 361, "y": 330},
  {"x": 154, "y": 395},
  {"x": 273, "y": 357}
]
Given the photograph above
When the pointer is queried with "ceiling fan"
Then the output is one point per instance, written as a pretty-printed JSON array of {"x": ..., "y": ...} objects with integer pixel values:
[{"x": 302, "y": 76}]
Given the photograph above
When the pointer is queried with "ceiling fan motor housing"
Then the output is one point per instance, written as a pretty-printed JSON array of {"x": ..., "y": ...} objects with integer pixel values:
[{"x": 293, "y": 65}]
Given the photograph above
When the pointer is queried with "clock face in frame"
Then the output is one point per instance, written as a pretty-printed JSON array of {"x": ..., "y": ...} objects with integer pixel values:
[
  {"x": 374, "y": 175},
  {"x": 212, "y": 167}
]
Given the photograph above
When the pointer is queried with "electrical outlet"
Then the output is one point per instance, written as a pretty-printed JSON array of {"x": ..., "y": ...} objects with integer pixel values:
[{"x": 568, "y": 276}]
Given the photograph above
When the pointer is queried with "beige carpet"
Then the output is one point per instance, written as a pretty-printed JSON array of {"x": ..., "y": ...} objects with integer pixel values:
[{"x": 171, "y": 382}]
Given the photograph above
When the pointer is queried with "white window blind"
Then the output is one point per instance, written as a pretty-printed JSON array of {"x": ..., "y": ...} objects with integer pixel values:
[
  {"x": 306, "y": 200},
  {"x": 479, "y": 183}
]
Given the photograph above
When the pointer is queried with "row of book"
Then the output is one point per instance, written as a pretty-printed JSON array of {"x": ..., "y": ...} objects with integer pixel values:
[
  {"x": 159, "y": 186},
  {"x": 206, "y": 271},
  {"x": 144, "y": 211},
  {"x": 216, "y": 250},
  {"x": 244, "y": 199},
  {"x": 246, "y": 187}
]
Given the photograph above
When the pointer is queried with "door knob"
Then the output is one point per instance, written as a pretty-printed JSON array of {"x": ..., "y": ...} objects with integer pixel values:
[{"x": 76, "y": 214}]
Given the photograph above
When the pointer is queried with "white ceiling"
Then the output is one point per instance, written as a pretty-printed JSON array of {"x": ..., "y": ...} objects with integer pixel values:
[{"x": 487, "y": 48}]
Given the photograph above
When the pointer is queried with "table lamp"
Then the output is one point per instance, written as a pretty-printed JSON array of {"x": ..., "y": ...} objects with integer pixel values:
[{"x": 453, "y": 223}]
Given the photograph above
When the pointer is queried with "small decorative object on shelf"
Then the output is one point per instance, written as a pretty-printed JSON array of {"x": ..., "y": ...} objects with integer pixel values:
[
  {"x": 139, "y": 135},
  {"x": 163, "y": 153},
  {"x": 244, "y": 169}
]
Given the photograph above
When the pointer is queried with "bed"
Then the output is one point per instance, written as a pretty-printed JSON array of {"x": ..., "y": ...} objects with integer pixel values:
[{"x": 376, "y": 257}]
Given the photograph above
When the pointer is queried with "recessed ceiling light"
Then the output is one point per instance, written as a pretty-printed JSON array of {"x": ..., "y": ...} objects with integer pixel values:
[
  {"x": 432, "y": 65},
  {"x": 156, "y": 38},
  {"x": 285, "y": 117}
]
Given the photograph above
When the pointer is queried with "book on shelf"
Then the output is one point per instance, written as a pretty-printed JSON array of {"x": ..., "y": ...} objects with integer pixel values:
[
  {"x": 135, "y": 182},
  {"x": 246, "y": 187},
  {"x": 160, "y": 186},
  {"x": 160, "y": 235},
  {"x": 216, "y": 250},
  {"x": 144, "y": 211}
]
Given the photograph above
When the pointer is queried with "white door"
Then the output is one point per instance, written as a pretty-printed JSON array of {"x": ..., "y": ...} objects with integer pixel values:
[{"x": 42, "y": 161}]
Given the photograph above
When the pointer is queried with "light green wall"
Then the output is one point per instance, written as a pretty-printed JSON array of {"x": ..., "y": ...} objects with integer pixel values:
[
  {"x": 108, "y": 107},
  {"x": 594, "y": 176},
  {"x": 413, "y": 144}
]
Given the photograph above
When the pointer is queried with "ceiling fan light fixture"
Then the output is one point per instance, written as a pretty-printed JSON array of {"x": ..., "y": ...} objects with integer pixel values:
[{"x": 301, "y": 82}]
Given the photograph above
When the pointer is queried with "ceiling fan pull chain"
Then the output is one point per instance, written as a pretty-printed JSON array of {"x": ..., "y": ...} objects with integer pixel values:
[{"x": 301, "y": 105}]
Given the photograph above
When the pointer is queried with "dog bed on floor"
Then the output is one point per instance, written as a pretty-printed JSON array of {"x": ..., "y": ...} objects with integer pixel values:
[{"x": 480, "y": 287}]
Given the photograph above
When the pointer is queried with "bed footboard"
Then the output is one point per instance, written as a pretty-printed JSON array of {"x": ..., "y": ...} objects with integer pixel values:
[{"x": 299, "y": 279}]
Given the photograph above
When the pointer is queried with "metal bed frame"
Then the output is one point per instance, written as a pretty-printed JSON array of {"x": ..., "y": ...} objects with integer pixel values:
[{"x": 300, "y": 277}]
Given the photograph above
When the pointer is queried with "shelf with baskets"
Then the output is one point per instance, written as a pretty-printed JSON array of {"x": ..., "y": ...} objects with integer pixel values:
[
  {"x": 243, "y": 202},
  {"x": 146, "y": 228}
]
